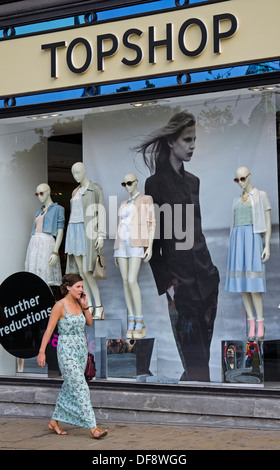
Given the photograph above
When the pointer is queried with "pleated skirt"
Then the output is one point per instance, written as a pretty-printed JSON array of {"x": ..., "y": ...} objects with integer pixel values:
[{"x": 245, "y": 269}]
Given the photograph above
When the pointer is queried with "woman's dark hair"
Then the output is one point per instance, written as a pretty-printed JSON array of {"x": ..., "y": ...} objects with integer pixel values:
[
  {"x": 155, "y": 149},
  {"x": 69, "y": 280}
]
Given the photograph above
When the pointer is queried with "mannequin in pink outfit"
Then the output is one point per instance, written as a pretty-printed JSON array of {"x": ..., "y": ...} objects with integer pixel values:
[{"x": 129, "y": 252}]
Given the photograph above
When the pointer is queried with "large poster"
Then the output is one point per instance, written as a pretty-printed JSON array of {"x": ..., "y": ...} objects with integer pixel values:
[{"x": 232, "y": 129}]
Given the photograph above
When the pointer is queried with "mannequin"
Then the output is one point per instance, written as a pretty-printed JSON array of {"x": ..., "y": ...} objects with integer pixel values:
[
  {"x": 42, "y": 256},
  {"x": 252, "y": 219},
  {"x": 131, "y": 246},
  {"x": 85, "y": 233}
]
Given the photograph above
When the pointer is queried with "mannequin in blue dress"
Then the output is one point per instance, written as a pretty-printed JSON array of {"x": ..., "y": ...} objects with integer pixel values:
[{"x": 249, "y": 249}]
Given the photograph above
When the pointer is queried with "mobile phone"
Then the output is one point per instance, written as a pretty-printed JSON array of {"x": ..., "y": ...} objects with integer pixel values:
[{"x": 82, "y": 295}]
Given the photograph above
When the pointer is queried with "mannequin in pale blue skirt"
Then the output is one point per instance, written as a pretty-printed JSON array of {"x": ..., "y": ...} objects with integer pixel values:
[{"x": 249, "y": 249}]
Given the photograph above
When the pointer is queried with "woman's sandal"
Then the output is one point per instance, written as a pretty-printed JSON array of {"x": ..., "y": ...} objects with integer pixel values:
[
  {"x": 56, "y": 428},
  {"x": 97, "y": 433}
]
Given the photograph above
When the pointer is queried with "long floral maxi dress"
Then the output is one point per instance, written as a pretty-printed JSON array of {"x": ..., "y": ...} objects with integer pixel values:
[{"x": 73, "y": 404}]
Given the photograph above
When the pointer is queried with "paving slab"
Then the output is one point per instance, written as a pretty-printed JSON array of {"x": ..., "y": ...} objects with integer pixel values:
[{"x": 33, "y": 434}]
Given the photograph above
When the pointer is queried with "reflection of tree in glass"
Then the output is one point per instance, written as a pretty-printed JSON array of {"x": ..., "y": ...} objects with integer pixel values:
[{"x": 214, "y": 118}]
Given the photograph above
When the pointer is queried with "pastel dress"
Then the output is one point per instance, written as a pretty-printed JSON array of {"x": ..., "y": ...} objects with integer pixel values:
[
  {"x": 245, "y": 269},
  {"x": 75, "y": 234},
  {"x": 73, "y": 404},
  {"x": 40, "y": 248}
]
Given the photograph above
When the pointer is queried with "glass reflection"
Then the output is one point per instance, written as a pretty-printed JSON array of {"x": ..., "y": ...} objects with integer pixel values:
[{"x": 242, "y": 362}]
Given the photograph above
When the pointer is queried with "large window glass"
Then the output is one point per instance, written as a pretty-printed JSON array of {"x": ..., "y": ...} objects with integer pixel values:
[{"x": 196, "y": 329}]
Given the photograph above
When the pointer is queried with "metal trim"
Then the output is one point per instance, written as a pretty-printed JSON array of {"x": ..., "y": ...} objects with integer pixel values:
[
  {"x": 146, "y": 94},
  {"x": 30, "y": 14}
]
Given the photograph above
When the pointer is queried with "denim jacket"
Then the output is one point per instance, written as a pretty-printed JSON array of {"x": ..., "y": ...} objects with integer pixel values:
[{"x": 53, "y": 220}]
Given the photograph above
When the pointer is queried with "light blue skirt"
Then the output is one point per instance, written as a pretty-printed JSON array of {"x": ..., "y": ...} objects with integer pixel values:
[
  {"x": 245, "y": 269},
  {"x": 75, "y": 239}
]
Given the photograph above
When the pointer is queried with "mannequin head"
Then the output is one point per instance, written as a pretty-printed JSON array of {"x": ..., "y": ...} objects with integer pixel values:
[
  {"x": 244, "y": 173},
  {"x": 79, "y": 172},
  {"x": 133, "y": 188},
  {"x": 43, "y": 192}
]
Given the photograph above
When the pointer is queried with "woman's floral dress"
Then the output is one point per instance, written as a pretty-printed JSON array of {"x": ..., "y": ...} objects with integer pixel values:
[{"x": 73, "y": 404}]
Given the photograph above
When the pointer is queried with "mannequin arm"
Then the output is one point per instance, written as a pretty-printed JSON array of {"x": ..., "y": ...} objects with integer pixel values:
[
  {"x": 267, "y": 237},
  {"x": 54, "y": 256},
  {"x": 149, "y": 250},
  {"x": 99, "y": 242}
]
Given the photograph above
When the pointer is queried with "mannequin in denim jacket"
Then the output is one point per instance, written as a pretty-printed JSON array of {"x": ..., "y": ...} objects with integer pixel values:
[{"x": 46, "y": 199}]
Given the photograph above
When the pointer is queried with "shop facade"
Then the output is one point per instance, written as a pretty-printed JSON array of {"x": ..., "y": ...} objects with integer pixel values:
[{"x": 91, "y": 86}]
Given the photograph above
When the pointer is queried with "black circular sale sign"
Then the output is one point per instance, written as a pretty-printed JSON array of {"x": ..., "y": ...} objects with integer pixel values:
[{"x": 25, "y": 305}]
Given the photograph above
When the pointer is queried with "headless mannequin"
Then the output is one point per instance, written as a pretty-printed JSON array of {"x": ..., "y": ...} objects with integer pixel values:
[
  {"x": 90, "y": 285},
  {"x": 253, "y": 300},
  {"x": 129, "y": 269},
  {"x": 47, "y": 201}
]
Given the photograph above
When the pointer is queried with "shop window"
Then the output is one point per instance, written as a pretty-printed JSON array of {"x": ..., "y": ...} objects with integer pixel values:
[{"x": 233, "y": 129}]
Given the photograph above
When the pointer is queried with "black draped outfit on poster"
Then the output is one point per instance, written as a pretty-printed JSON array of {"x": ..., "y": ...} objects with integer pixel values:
[{"x": 191, "y": 271}]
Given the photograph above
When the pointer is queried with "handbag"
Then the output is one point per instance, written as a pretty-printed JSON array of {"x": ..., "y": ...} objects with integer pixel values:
[
  {"x": 100, "y": 267},
  {"x": 90, "y": 370}
]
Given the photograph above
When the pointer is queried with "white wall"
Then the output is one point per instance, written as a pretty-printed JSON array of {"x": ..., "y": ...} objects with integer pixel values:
[{"x": 23, "y": 165}]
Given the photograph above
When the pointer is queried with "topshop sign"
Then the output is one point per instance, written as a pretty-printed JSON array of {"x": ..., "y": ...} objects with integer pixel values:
[
  {"x": 173, "y": 42},
  {"x": 108, "y": 44}
]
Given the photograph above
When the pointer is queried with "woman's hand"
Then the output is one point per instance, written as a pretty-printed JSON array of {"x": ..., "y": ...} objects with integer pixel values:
[
  {"x": 83, "y": 300},
  {"x": 41, "y": 359}
]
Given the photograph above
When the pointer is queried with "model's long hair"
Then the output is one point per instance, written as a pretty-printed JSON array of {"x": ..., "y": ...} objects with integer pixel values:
[
  {"x": 68, "y": 280},
  {"x": 155, "y": 149}
]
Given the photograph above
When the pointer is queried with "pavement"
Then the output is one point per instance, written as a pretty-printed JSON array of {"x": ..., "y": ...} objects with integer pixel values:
[{"x": 32, "y": 434}]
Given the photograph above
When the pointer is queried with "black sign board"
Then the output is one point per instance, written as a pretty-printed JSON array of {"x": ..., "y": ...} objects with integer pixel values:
[{"x": 25, "y": 305}]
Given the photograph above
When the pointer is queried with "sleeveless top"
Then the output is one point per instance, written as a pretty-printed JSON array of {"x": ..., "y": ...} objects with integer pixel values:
[
  {"x": 71, "y": 324},
  {"x": 243, "y": 214},
  {"x": 77, "y": 211}
]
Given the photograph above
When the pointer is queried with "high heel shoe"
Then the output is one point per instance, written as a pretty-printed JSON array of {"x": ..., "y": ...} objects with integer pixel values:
[
  {"x": 99, "y": 316},
  {"x": 140, "y": 329},
  {"x": 97, "y": 433},
  {"x": 252, "y": 330},
  {"x": 261, "y": 330},
  {"x": 130, "y": 327},
  {"x": 56, "y": 428}
]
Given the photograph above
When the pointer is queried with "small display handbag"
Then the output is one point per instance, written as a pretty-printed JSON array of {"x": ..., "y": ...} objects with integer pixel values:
[
  {"x": 90, "y": 370},
  {"x": 100, "y": 267}
]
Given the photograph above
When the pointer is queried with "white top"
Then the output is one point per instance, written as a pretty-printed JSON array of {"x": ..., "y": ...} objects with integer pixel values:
[
  {"x": 260, "y": 204},
  {"x": 126, "y": 216},
  {"x": 77, "y": 212}
]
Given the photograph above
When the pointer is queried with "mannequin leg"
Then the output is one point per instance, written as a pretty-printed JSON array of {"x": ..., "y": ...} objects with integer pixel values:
[
  {"x": 133, "y": 271},
  {"x": 251, "y": 301},
  {"x": 123, "y": 266},
  {"x": 129, "y": 269},
  {"x": 248, "y": 304},
  {"x": 91, "y": 287},
  {"x": 258, "y": 304}
]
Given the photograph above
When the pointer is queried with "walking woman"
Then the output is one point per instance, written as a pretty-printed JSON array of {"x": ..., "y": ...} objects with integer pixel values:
[
  {"x": 71, "y": 314},
  {"x": 187, "y": 276}
]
